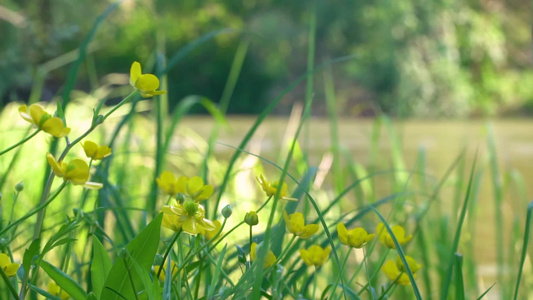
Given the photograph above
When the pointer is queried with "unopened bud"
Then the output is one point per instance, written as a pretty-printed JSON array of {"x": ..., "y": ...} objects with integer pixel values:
[
  {"x": 227, "y": 211},
  {"x": 19, "y": 186},
  {"x": 180, "y": 197},
  {"x": 251, "y": 218},
  {"x": 99, "y": 120}
]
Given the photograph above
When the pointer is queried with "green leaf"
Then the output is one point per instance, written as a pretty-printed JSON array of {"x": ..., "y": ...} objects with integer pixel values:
[
  {"x": 143, "y": 249},
  {"x": 217, "y": 273},
  {"x": 100, "y": 267},
  {"x": 44, "y": 293},
  {"x": 29, "y": 254},
  {"x": 64, "y": 281}
]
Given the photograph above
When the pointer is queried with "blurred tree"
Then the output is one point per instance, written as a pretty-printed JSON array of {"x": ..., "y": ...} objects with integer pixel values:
[{"x": 413, "y": 58}]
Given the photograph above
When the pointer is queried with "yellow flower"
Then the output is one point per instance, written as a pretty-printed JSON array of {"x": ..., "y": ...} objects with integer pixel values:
[
  {"x": 9, "y": 268},
  {"x": 386, "y": 239},
  {"x": 315, "y": 255},
  {"x": 92, "y": 150},
  {"x": 162, "y": 276},
  {"x": 357, "y": 237},
  {"x": 270, "y": 258},
  {"x": 210, "y": 234},
  {"x": 395, "y": 271},
  {"x": 192, "y": 188},
  {"x": 271, "y": 188},
  {"x": 43, "y": 120},
  {"x": 414, "y": 266},
  {"x": 296, "y": 225},
  {"x": 76, "y": 171},
  {"x": 390, "y": 269},
  {"x": 55, "y": 290},
  {"x": 147, "y": 84},
  {"x": 189, "y": 217}
]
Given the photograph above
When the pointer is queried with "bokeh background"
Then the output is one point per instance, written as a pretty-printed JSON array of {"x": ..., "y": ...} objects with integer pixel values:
[
  {"x": 426, "y": 59},
  {"x": 452, "y": 75}
]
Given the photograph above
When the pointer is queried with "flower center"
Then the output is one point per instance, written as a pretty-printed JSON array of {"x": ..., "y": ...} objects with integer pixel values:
[{"x": 191, "y": 207}]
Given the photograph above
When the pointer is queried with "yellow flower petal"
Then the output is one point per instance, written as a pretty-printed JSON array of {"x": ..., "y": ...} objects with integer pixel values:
[
  {"x": 194, "y": 185},
  {"x": 55, "y": 127},
  {"x": 210, "y": 234},
  {"x": 90, "y": 148},
  {"x": 414, "y": 266},
  {"x": 23, "y": 111},
  {"x": 135, "y": 73},
  {"x": 315, "y": 255},
  {"x": 207, "y": 191},
  {"x": 147, "y": 83},
  {"x": 4, "y": 260},
  {"x": 270, "y": 258},
  {"x": 342, "y": 233},
  {"x": 167, "y": 182},
  {"x": 103, "y": 151},
  {"x": 309, "y": 230},
  {"x": 11, "y": 269},
  {"x": 181, "y": 184},
  {"x": 37, "y": 112},
  {"x": 77, "y": 172},
  {"x": 56, "y": 166}
]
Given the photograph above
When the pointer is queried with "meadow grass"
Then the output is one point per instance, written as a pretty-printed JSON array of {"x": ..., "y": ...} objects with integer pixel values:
[{"x": 115, "y": 243}]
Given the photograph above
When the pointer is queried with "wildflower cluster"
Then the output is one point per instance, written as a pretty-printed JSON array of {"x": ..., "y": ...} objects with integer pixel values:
[
  {"x": 396, "y": 271},
  {"x": 186, "y": 209},
  {"x": 75, "y": 171},
  {"x": 185, "y": 213}
]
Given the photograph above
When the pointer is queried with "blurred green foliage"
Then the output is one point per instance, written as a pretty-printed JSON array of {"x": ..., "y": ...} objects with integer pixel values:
[{"x": 411, "y": 58}]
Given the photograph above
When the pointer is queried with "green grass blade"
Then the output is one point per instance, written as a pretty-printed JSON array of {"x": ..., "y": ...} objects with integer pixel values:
[
  {"x": 400, "y": 253},
  {"x": 486, "y": 292},
  {"x": 459, "y": 282},
  {"x": 216, "y": 276},
  {"x": 498, "y": 211},
  {"x": 261, "y": 118},
  {"x": 524, "y": 249},
  {"x": 455, "y": 246}
]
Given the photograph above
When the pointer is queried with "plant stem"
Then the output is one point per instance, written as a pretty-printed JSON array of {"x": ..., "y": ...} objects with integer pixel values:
[
  {"x": 251, "y": 233},
  {"x": 367, "y": 274},
  {"x": 20, "y": 143},
  {"x": 121, "y": 103},
  {"x": 315, "y": 282},
  {"x": 280, "y": 258},
  {"x": 8, "y": 283},
  {"x": 174, "y": 239},
  {"x": 33, "y": 211},
  {"x": 69, "y": 146},
  {"x": 341, "y": 273}
]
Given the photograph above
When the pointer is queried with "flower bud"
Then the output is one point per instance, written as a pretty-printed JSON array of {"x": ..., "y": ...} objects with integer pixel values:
[
  {"x": 180, "y": 197},
  {"x": 227, "y": 211},
  {"x": 19, "y": 187},
  {"x": 99, "y": 120},
  {"x": 251, "y": 218}
]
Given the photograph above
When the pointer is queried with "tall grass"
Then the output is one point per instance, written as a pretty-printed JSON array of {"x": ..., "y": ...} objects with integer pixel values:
[{"x": 103, "y": 244}]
